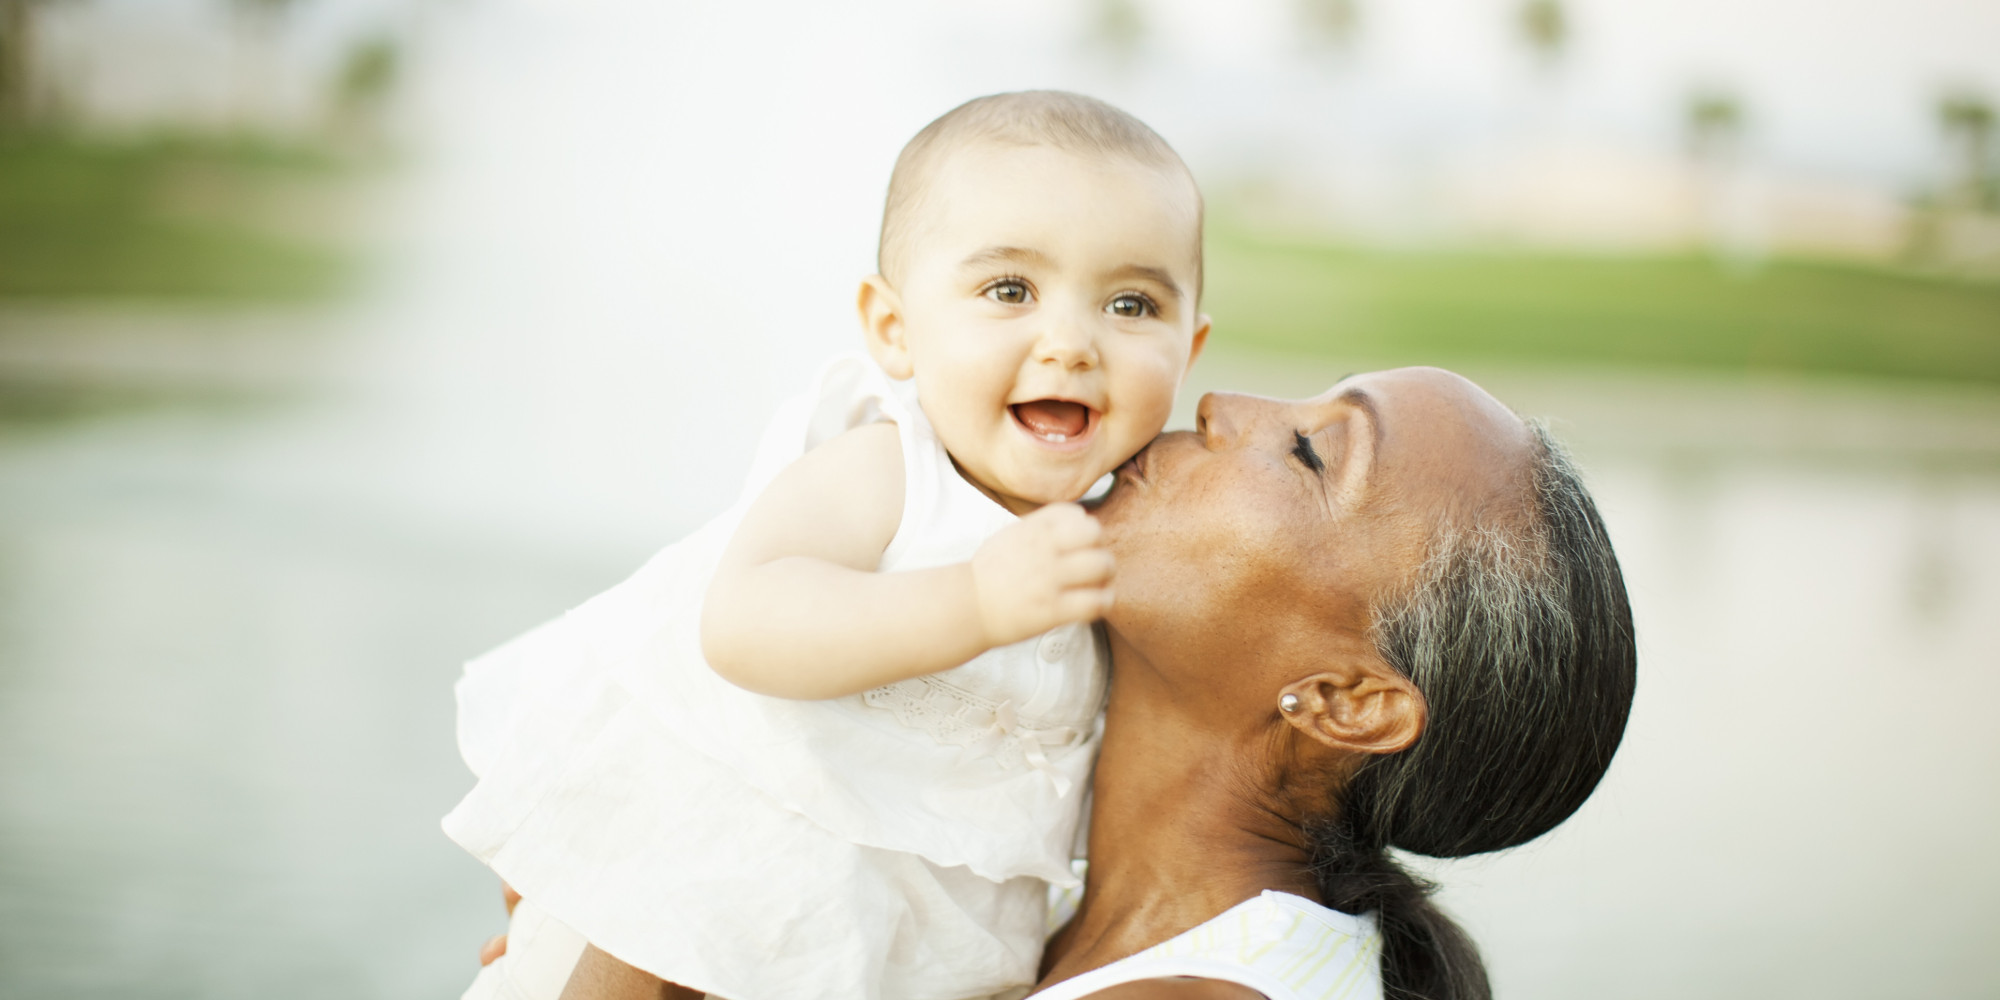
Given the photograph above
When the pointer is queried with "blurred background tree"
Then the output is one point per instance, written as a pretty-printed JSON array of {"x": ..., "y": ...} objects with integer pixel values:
[
  {"x": 19, "y": 62},
  {"x": 1331, "y": 25},
  {"x": 1714, "y": 120},
  {"x": 14, "y": 57},
  {"x": 1714, "y": 125},
  {"x": 1967, "y": 120},
  {"x": 260, "y": 31},
  {"x": 1118, "y": 28},
  {"x": 362, "y": 89},
  {"x": 1545, "y": 29}
]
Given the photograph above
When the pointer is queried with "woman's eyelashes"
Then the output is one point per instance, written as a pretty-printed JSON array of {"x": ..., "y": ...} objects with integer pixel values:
[{"x": 1302, "y": 449}]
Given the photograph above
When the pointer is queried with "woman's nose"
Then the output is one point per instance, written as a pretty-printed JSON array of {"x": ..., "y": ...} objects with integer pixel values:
[{"x": 1221, "y": 418}]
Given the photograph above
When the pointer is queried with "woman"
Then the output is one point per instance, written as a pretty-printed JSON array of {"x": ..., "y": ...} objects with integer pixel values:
[{"x": 1385, "y": 617}]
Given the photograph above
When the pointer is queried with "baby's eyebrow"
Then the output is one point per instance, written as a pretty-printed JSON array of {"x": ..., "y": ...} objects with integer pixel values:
[
  {"x": 1146, "y": 272},
  {"x": 1003, "y": 255}
]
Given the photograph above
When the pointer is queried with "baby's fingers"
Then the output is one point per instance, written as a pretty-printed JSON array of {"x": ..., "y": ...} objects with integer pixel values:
[
  {"x": 1084, "y": 604},
  {"x": 1069, "y": 527},
  {"x": 1085, "y": 567}
]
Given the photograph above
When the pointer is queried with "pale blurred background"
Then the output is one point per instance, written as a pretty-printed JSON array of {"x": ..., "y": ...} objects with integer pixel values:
[{"x": 340, "y": 340}]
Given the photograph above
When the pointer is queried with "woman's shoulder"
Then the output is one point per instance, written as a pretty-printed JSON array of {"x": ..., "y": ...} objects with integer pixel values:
[
  {"x": 1274, "y": 944},
  {"x": 1178, "y": 988}
]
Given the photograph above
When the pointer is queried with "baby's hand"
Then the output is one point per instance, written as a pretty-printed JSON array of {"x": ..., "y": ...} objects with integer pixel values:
[{"x": 1049, "y": 569}]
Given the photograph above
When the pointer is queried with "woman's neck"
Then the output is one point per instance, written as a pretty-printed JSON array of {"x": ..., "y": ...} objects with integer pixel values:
[{"x": 1175, "y": 837}]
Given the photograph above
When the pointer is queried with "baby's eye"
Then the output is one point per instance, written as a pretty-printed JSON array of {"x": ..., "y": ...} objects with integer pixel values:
[
  {"x": 1132, "y": 306},
  {"x": 1010, "y": 292}
]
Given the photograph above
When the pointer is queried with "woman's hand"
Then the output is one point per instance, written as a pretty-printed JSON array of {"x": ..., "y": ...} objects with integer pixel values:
[{"x": 1050, "y": 569}]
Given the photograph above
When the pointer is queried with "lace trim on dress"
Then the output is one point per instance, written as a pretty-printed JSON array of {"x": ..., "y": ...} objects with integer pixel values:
[{"x": 954, "y": 716}]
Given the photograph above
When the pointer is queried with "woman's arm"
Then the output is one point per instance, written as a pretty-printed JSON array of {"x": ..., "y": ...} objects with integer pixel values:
[{"x": 798, "y": 610}]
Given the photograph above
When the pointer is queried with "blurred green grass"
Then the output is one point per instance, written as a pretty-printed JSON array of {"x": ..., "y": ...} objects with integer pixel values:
[
  {"x": 171, "y": 218},
  {"x": 207, "y": 219},
  {"x": 1635, "y": 311}
]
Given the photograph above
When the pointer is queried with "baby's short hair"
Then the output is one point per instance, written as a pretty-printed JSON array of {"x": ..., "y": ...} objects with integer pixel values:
[{"x": 1076, "y": 124}]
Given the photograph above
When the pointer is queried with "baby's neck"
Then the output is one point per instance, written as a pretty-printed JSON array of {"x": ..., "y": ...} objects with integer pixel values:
[{"x": 1015, "y": 505}]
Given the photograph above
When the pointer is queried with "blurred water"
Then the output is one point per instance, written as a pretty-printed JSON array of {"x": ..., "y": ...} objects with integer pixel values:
[
  {"x": 225, "y": 722},
  {"x": 227, "y": 638}
]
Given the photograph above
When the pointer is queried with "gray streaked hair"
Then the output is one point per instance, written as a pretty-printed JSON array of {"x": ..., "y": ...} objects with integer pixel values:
[{"x": 1519, "y": 635}]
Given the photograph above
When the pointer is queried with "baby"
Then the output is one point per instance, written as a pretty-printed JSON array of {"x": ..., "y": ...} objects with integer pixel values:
[{"x": 835, "y": 743}]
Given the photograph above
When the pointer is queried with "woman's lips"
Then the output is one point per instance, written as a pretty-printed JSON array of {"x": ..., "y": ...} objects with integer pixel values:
[
  {"x": 1135, "y": 467},
  {"x": 1140, "y": 467},
  {"x": 1131, "y": 473}
]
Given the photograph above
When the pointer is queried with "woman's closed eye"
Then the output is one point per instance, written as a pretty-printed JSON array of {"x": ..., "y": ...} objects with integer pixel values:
[
  {"x": 1132, "y": 305},
  {"x": 1302, "y": 449},
  {"x": 1009, "y": 291}
]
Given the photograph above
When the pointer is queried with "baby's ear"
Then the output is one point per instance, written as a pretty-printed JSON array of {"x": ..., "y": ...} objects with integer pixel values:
[
  {"x": 1200, "y": 340},
  {"x": 882, "y": 326}
]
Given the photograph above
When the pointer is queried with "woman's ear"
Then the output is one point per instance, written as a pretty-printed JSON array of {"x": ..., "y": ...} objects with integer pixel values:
[
  {"x": 882, "y": 326},
  {"x": 1366, "y": 708}
]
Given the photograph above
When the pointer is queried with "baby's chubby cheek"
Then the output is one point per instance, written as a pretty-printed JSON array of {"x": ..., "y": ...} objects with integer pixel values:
[{"x": 1124, "y": 433}]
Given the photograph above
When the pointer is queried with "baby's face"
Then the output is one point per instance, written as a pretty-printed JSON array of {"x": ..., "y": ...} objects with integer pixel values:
[{"x": 1048, "y": 313}]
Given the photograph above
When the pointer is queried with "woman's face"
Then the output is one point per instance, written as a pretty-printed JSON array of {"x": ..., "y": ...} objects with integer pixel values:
[{"x": 1275, "y": 525}]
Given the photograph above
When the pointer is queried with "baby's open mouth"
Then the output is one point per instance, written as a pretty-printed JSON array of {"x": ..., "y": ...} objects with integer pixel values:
[{"x": 1056, "y": 421}]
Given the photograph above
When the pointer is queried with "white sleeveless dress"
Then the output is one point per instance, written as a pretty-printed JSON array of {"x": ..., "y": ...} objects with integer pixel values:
[{"x": 894, "y": 844}]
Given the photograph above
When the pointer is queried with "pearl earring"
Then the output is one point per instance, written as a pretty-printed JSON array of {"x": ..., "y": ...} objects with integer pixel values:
[{"x": 1288, "y": 704}]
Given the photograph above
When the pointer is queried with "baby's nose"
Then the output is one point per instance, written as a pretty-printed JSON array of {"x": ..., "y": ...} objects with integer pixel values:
[{"x": 1067, "y": 343}]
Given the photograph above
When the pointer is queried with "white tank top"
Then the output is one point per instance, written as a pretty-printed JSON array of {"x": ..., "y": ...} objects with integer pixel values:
[{"x": 1283, "y": 946}]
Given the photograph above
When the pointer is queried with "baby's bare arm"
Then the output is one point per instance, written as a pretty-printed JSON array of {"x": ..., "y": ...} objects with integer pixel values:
[{"x": 797, "y": 609}]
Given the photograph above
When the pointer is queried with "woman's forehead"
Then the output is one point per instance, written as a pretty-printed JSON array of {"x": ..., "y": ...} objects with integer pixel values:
[
  {"x": 1433, "y": 395},
  {"x": 1437, "y": 432}
]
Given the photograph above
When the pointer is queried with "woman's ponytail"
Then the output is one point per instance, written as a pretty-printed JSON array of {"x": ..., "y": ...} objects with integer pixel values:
[{"x": 1425, "y": 955}]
